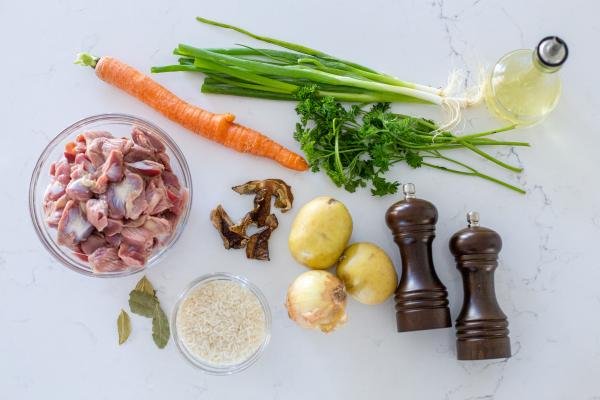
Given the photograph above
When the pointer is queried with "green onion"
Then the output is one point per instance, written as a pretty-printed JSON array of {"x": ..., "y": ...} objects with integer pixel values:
[{"x": 271, "y": 73}]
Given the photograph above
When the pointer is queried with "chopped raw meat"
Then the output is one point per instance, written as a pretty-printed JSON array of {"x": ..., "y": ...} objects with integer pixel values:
[
  {"x": 99, "y": 149},
  {"x": 62, "y": 171},
  {"x": 82, "y": 160},
  {"x": 77, "y": 172},
  {"x": 158, "y": 227},
  {"x": 106, "y": 259},
  {"x": 79, "y": 189},
  {"x": 135, "y": 223},
  {"x": 172, "y": 218},
  {"x": 154, "y": 227},
  {"x": 123, "y": 145},
  {"x": 138, "y": 207},
  {"x": 80, "y": 147},
  {"x": 92, "y": 243},
  {"x": 73, "y": 227},
  {"x": 87, "y": 137},
  {"x": 139, "y": 153},
  {"x": 146, "y": 167},
  {"x": 113, "y": 200},
  {"x": 121, "y": 195},
  {"x": 140, "y": 237},
  {"x": 113, "y": 167},
  {"x": 78, "y": 252},
  {"x": 53, "y": 218},
  {"x": 54, "y": 210},
  {"x": 113, "y": 227},
  {"x": 94, "y": 153},
  {"x": 137, "y": 242},
  {"x": 81, "y": 167},
  {"x": 147, "y": 139},
  {"x": 111, "y": 171},
  {"x": 96, "y": 211},
  {"x": 132, "y": 254},
  {"x": 171, "y": 181},
  {"x": 156, "y": 196},
  {"x": 54, "y": 191},
  {"x": 163, "y": 158},
  {"x": 100, "y": 185},
  {"x": 179, "y": 201},
  {"x": 114, "y": 240}
]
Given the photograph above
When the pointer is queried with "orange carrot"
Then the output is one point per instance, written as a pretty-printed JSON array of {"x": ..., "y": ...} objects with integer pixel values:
[{"x": 217, "y": 127}]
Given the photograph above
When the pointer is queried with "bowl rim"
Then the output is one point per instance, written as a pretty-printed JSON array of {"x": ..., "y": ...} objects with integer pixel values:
[
  {"x": 40, "y": 226},
  {"x": 210, "y": 368}
]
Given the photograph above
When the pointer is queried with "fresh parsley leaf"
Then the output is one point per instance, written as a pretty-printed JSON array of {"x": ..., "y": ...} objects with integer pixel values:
[
  {"x": 414, "y": 159},
  {"x": 369, "y": 141}
]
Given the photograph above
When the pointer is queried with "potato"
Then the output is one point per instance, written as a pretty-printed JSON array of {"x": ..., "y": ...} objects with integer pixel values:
[
  {"x": 320, "y": 232},
  {"x": 368, "y": 273}
]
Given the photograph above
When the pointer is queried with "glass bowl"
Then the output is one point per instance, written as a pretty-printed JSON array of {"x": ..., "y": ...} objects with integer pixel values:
[
  {"x": 201, "y": 364},
  {"x": 119, "y": 125}
]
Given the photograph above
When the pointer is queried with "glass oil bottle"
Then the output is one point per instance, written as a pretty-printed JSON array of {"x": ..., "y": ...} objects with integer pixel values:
[{"x": 524, "y": 86}]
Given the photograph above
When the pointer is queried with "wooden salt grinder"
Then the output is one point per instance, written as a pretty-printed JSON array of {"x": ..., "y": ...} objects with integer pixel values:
[
  {"x": 481, "y": 326},
  {"x": 421, "y": 298}
]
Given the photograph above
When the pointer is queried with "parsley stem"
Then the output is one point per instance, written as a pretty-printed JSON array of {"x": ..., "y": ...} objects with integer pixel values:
[
  {"x": 472, "y": 172},
  {"x": 489, "y": 157},
  {"x": 490, "y": 132},
  {"x": 338, "y": 161},
  {"x": 491, "y": 142}
]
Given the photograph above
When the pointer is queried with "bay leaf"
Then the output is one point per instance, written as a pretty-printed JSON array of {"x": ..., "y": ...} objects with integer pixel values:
[
  {"x": 145, "y": 286},
  {"x": 123, "y": 326},
  {"x": 160, "y": 327},
  {"x": 142, "y": 303}
]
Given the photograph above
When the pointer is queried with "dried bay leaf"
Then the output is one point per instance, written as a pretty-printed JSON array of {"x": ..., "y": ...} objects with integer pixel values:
[
  {"x": 145, "y": 286},
  {"x": 160, "y": 327},
  {"x": 142, "y": 303},
  {"x": 123, "y": 326}
]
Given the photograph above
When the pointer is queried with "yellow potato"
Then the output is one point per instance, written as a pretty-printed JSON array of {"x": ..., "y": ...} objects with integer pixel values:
[
  {"x": 368, "y": 273},
  {"x": 320, "y": 232}
]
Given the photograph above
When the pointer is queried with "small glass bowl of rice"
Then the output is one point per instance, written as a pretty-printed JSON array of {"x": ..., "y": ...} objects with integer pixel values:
[{"x": 221, "y": 323}]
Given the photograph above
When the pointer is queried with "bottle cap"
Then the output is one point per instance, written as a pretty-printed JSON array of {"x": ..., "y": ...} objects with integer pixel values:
[{"x": 552, "y": 51}]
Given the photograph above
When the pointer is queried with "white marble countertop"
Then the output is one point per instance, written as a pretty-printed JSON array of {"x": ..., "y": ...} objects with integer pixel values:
[{"x": 58, "y": 335}]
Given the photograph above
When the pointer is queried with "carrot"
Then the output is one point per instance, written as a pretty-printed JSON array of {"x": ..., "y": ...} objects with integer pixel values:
[{"x": 216, "y": 127}]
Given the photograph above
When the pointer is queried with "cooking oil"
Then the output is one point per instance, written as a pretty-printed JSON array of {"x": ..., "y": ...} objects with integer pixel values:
[{"x": 524, "y": 86}]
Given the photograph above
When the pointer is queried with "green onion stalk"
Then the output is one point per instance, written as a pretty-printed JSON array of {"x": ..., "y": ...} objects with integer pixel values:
[{"x": 279, "y": 74}]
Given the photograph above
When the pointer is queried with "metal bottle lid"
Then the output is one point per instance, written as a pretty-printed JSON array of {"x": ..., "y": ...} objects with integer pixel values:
[{"x": 552, "y": 51}]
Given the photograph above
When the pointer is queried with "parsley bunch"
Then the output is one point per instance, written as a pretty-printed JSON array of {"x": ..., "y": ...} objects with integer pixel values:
[{"x": 356, "y": 146}]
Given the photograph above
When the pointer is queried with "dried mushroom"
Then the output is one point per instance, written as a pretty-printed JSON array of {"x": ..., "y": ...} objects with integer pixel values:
[
  {"x": 258, "y": 216},
  {"x": 231, "y": 239},
  {"x": 274, "y": 187},
  {"x": 235, "y": 236},
  {"x": 258, "y": 244}
]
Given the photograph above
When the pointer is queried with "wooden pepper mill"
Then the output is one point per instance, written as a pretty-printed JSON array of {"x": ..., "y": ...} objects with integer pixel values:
[
  {"x": 421, "y": 298},
  {"x": 481, "y": 326}
]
